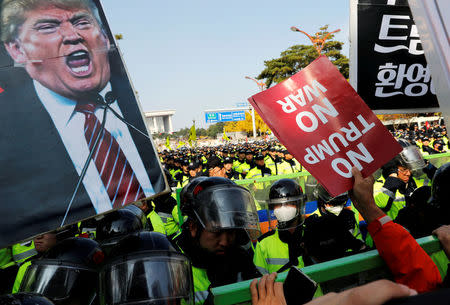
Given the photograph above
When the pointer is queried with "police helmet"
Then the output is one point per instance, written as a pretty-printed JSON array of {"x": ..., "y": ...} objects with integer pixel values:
[
  {"x": 186, "y": 195},
  {"x": 218, "y": 203},
  {"x": 227, "y": 160},
  {"x": 410, "y": 157},
  {"x": 140, "y": 214},
  {"x": 66, "y": 273},
  {"x": 282, "y": 194},
  {"x": 258, "y": 156},
  {"x": 193, "y": 165},
  {"x": 328, "y": 204},
  {"x": 115, "y": 225},
  {"x": 144, "y": 268}
]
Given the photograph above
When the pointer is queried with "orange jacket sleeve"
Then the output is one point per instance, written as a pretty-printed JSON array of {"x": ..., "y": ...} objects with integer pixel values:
[{"x": 408, "y": 262}]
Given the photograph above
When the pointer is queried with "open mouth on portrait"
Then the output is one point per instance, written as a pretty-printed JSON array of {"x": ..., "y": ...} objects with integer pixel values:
[{"x": 79, "y": 63}]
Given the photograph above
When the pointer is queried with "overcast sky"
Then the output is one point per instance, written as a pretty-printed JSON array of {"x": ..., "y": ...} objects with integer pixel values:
[{"x": 191, "y": 56}]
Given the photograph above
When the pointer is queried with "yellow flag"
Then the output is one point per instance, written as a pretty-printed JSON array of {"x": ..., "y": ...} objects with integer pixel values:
[
  {"x": 192, "y": 135},
  {"x": 168, "y": 143},
  {"x": 181, "y": 143},
  {"x": 225, "y": 137}
]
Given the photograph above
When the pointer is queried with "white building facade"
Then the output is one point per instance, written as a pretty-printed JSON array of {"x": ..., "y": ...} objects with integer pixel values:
[{"x": 159, "y": 121}]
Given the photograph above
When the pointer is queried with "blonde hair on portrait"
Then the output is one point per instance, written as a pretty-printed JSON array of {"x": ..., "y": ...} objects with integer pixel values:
[{"x": 13, "y": 13}]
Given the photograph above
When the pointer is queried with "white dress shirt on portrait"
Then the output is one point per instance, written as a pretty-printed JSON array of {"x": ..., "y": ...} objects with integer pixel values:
[{"x": 70, "y": 126}]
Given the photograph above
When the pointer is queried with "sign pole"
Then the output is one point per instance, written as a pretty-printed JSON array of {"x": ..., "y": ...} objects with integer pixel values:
[{"x": 253, "y": 122}]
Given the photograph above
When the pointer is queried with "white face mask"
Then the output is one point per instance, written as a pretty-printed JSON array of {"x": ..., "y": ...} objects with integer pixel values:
[
  {"x": 285, "y": 213},
  {"x": 336, "y": 210}
]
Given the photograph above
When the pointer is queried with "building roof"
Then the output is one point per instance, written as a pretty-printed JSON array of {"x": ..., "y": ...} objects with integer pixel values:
[{"x": 149, "y": 114}]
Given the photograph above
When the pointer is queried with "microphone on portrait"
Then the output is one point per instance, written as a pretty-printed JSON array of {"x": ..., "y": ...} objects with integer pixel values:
[{"x": 109, "y": 99}]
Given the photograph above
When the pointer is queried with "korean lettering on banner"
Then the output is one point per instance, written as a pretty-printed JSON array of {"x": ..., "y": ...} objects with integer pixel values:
[
  {"x": 392, "y": 70},
  {"x": 323, "y": 122}
]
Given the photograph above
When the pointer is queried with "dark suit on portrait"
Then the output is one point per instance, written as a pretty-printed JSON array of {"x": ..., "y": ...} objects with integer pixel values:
[{"x": 37, "y": 177}]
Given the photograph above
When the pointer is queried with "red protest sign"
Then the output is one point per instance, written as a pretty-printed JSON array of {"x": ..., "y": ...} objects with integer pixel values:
[{"x": 327, "y": 127}]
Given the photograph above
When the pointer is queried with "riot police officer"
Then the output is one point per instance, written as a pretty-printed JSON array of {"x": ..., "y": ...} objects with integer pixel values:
[
  {"x": 332, "y": 232},
  {"x": 398, "y": 179},
  {"x": 281, "y": 248},
  {"x": 221, "y": 222}
]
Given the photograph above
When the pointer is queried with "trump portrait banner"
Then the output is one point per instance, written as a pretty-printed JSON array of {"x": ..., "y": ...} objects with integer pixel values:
[
  {"x": 73, "y": 140},
  {"x": 326, "y": 126}
]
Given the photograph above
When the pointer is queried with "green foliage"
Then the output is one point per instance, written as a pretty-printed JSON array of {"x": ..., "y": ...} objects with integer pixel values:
[
  {"x": 214, "y": 129},
  {"x": 183, "y": 133},
  {"x": 298, "y": 57}
]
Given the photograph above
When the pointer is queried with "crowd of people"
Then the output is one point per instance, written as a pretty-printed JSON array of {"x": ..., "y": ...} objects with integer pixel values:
[
  {"x": 430, "y": 138},
  {"x": 156, "y": 251}
]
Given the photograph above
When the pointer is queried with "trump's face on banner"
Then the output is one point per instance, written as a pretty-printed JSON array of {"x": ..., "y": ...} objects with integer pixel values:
[{"x": 63, "y": 47}]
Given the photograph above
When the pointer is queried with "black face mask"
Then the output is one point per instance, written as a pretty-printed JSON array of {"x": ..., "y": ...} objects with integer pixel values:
[{"x": 260, "y": 166}]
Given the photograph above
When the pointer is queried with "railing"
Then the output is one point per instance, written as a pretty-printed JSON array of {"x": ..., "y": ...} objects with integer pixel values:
[{"x": 363, "y": 265}]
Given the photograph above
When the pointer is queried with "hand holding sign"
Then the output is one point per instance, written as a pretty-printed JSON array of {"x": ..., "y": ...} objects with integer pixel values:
[{"x": 318, "y": 116}]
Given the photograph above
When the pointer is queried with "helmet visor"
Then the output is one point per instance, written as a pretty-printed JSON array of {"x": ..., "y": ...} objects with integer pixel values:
[
  {"x": 60, "y": 282},
  {"x": 295, "y": 200},
  {"x": 144, "y": 279},
  {"x": 227, "y": 207},
  {"x": 412, "y": 158},
  {"x": 335, "y": 201}
]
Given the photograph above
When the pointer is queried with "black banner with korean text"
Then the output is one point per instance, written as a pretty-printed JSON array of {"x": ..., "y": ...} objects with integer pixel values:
[{"x": 392, "y": 70}]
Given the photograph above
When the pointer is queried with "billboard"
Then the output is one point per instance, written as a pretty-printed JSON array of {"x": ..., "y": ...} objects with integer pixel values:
[
  {"x": 224, "y": 116},
  {"x": 388, "y": 66},
  {"x": 73, "y": 139}
]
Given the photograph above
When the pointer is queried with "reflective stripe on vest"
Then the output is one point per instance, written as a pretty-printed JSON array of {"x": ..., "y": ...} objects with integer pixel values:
[
  {"x": 387, "y": 192},
  {"x": 200, "y": 296},
  {"x": 277, "y": 261},
  {"x": 165, "y": 216},
  {"x": 24, "y": 255},
  {"x": 262, "y": 270}
]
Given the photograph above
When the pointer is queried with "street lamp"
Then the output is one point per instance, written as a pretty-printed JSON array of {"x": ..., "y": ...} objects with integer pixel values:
[
  {"x": 262, "y": 87},
  {"x": 317, "y": 41}
]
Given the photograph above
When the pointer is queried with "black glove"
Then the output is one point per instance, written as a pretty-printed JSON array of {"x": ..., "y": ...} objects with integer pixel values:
[
  {"x": 429, "y": 170},
  {"x": 393, "y": 184}
]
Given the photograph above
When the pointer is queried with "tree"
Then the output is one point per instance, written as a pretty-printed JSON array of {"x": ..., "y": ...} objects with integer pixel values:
[
  {"x": 298, "y": 57},
  {"x": 247, "y": 124},
  {"x": 398, "y": 119},
  {"x": 214, "y": 129}
]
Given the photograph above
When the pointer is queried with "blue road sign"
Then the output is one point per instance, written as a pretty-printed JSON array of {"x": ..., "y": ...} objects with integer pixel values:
[{"x": 225, "y": 116}]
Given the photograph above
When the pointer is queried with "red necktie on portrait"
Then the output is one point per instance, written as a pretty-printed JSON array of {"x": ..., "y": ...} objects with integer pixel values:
[{"x": 115, "y": 171}]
